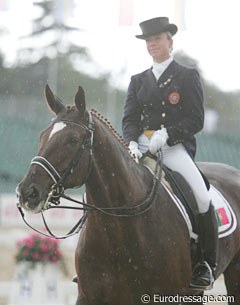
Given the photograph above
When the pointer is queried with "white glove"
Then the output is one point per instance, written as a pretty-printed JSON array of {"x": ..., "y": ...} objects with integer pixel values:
[
  {"x": 158, "y": 140},
  {"x": 133, "y": 147}
]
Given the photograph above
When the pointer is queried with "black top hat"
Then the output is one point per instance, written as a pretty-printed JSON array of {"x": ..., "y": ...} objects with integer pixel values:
[{"x": 156, "y": 26}]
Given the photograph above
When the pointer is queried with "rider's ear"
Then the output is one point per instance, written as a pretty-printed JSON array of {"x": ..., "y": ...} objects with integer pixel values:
[
  {"x": 53, "y": 102},
  {"x": 80, "y": 100}
]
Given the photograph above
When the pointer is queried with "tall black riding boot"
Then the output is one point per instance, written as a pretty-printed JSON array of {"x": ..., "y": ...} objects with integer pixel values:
[{"x": 204, "y": 272}]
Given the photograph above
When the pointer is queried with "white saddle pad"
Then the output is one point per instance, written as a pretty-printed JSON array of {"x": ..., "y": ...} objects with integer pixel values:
[{"x": 227, "y": 221}]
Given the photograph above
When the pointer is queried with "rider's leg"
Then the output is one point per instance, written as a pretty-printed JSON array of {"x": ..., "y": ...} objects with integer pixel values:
[
  {"x": 208, "y": 238},
  {"x": 177, "y": 159}
]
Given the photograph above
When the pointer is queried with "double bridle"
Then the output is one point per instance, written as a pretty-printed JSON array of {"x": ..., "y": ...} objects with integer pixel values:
[{"x": 57, "y": 188}]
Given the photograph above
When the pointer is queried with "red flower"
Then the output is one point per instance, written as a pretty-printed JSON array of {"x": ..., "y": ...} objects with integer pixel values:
[{"x": 35, "y": 248}]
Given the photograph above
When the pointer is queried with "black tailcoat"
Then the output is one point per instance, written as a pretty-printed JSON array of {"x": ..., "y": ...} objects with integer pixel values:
[{"x": 175, "y": 102}]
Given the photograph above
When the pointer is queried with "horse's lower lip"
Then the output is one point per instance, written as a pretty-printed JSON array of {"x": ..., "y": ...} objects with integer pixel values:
[{"x": 33, "y": 209}]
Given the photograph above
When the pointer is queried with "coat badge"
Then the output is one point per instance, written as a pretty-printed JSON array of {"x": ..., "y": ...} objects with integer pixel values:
[
  {"x": 162, "y": 85},
  {"x": 174, "y": 98}
]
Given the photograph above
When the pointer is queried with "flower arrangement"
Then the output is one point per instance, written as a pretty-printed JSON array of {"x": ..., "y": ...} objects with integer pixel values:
[{"x": 37, "y": 249}]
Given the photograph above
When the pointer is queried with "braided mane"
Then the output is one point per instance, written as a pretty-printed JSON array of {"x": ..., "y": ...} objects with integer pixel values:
[
  {"x": 108, "y": 124},
  {"x": 105, "y": 121}
]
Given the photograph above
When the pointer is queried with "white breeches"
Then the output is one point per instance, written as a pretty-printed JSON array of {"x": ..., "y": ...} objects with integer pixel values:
[{"x": 177, "y": 159}]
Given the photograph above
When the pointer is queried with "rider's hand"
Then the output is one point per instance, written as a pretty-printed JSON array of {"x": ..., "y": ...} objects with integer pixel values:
[
  {"x": 158, "y": 140},
  {"x": 133, "y": 147}
]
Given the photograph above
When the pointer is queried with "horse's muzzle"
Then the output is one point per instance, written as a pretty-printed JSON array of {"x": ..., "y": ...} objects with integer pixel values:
[{"x": 29, "y": 197}]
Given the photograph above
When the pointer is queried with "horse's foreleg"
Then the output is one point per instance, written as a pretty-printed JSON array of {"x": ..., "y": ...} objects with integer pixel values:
[{"x": 232, "y": 281}]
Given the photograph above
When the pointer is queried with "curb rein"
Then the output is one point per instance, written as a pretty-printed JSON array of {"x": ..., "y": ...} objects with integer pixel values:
[{"x": 57, "y": 189}]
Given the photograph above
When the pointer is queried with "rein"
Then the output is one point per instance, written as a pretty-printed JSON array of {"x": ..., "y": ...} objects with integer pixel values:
[{"x": 57, "y": 189}]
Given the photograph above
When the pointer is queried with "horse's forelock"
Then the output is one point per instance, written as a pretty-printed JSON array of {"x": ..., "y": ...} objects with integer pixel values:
[
  {"x": 71, "y": 108},
  {"x": 71, "y": 113}
]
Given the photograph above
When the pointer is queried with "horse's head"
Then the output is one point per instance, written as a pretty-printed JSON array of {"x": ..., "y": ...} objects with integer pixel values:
[{"x": 65, "y": 147}]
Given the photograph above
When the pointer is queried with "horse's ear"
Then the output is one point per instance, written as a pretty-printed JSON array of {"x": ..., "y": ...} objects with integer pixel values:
[
  {"x": 80, "y": 100},
  {"x": 53, "y": 102}
]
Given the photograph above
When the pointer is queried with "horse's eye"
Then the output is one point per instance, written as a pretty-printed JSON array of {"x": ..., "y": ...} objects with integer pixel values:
[{"x": 73, "y": 141}]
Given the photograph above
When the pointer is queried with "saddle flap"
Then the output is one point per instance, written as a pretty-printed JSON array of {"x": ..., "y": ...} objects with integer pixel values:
[{"x": 184, "y": 193}]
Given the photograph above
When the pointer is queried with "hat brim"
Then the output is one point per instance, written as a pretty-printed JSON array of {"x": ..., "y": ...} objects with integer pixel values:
[{"x": 172, "y": 28}]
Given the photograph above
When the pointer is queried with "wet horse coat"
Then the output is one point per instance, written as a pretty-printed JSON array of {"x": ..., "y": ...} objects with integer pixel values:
[{"x": 140, "y": 243}]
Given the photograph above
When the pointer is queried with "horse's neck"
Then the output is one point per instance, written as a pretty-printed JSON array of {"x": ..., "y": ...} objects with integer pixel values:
[{"x": 116, "y": 179}]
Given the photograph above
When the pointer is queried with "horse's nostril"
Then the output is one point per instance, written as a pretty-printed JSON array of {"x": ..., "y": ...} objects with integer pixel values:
[{"x": 33, "y": 192}]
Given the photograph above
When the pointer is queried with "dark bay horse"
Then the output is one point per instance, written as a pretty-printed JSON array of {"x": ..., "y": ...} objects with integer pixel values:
[{"x": 135, "y": 245}]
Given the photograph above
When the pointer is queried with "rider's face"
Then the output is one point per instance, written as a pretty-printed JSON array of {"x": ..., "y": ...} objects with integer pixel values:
[{"x": 159, "y": 46}]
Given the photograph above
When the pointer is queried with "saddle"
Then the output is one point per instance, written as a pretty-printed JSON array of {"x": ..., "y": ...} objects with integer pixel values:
[{"x": 179, "y": 186}]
